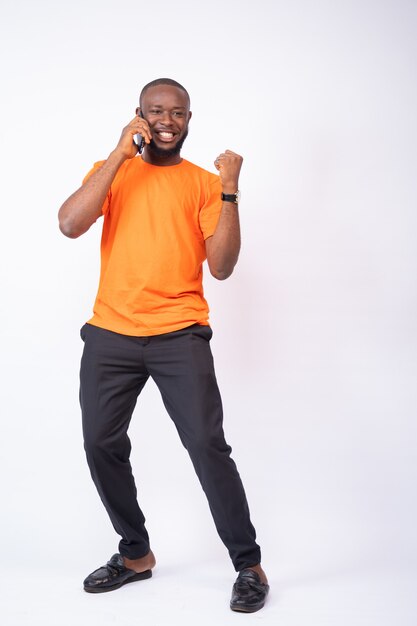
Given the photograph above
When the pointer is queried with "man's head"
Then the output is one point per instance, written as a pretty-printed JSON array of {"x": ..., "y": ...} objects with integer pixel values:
[{"x": 165, "y": 104}]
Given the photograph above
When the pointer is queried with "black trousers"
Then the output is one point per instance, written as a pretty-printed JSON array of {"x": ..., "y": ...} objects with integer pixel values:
[{"x": 114, "y": 370}]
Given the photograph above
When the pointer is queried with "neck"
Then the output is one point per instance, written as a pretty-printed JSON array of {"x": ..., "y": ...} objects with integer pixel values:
[{"x": 160, "y": 159}]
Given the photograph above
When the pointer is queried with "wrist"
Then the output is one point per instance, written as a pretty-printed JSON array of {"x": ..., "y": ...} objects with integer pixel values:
[
  {"x": 231, "y": 197},
  {"x": 227, "y": 189},
  {"x": 117, "y": 156}
]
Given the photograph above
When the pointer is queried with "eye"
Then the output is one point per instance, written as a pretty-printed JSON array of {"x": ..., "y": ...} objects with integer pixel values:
[
  {"x": 178, "y": 113},
  {"x": 155, "y": 111}
]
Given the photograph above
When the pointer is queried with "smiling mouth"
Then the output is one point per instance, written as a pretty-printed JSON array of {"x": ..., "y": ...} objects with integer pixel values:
[{"x": 166, "y": 136}]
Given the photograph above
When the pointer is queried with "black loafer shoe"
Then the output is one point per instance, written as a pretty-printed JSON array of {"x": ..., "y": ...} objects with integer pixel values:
[
  {"x": 249, "y": 593},
  {"x": 112, "y": 576}
]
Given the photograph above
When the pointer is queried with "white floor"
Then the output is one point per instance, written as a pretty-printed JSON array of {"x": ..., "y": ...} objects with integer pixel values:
[{"x": 198, "y": 594}]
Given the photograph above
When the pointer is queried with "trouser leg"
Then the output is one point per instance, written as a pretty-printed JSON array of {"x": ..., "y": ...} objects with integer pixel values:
[
  {"x": 111, "y": 377},
  {"x": 181, "y": 364}
]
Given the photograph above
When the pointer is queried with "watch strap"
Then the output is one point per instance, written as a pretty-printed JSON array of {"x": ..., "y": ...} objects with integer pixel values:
[{"x": 230, "y": 197}]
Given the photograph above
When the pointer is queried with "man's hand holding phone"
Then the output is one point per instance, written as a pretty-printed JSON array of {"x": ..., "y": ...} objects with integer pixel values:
[{"x": 127, "y": 146}]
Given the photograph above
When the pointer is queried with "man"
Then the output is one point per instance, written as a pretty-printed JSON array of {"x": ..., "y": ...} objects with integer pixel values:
[{"x": 163, "y": 216}]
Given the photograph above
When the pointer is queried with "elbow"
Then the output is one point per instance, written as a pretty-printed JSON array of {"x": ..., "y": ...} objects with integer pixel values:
[
  {"x": 68, "y": 226},
  {"x": 68, "y": 230},
  {"x": 222, "y": 267},
  {"x": 221, "y": 274}
]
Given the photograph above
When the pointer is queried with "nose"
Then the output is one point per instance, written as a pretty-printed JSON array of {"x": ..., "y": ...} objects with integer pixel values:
[{"x": 166, "y": 118}]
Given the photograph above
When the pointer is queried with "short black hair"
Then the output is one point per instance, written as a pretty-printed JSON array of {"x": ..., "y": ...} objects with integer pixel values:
[{"x": 163, "y": 81}]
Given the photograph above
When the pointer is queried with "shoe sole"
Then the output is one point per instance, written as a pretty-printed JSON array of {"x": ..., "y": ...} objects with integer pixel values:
[
  {"x": 248, "y": 609},
  {"x": 132, "y": 579}
]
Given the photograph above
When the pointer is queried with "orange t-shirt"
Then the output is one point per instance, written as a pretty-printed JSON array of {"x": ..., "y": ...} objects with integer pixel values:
[{"x": 152, "y": 248}]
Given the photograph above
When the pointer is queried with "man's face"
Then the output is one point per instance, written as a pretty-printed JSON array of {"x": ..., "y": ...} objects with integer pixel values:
[{"x": 167, "y": 111}]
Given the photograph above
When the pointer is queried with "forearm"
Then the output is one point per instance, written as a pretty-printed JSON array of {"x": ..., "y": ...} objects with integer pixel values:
[
  {"x": 225, "y": 243},
  {"x": 224, "y": 246},
  {"x": 84, "y": 206}
]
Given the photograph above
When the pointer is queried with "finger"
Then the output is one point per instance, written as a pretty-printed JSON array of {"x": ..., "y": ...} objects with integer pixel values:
[
  {"x": 233, "y": 155},
  {"x": 141, "y": 126},
  {"x": 144, "y": 129},
  {"x": 220, "y": 158},
  {"x": 146, "y": 132},
  {"x": 228, "y": 156}
]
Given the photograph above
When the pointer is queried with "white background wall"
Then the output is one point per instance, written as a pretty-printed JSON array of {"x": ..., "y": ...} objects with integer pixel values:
[{"x": 314, "y": 334}]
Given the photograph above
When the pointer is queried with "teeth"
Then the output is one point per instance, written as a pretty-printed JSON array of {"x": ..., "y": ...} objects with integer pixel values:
[{"x": 166, "y": 135}]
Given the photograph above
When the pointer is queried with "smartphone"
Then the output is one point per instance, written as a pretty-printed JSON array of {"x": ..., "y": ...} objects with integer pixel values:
[{"x": 139, "y": 140}]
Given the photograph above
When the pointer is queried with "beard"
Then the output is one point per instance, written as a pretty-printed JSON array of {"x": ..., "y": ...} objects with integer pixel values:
[{"x": 167, "y": 152}]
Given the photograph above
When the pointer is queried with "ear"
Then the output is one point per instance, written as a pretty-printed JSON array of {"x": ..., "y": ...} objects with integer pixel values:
[
  {"x": 138, "y": 110},
  {"x": 189, "y": 115}
]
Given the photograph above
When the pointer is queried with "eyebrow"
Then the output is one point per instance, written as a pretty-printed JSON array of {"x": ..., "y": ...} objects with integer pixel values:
[{"x": 161, "y": 106}]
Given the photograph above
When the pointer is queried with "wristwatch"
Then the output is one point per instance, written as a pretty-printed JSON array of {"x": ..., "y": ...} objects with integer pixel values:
[{"x": 231, "y": 197}]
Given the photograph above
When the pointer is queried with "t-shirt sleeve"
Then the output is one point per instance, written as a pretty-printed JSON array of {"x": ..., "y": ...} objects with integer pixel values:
[
  {"x": 210, "y": 211},
  {"x": 106, "y": 203}
]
